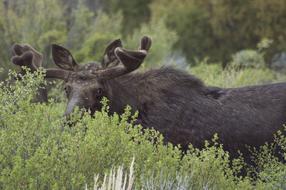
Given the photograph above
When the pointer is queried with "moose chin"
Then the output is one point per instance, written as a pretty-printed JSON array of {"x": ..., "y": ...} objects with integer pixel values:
[{"x": 171, "y": 101}]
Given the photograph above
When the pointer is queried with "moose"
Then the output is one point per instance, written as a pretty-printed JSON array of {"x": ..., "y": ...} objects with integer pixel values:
[{"x": 175, "y": 103}]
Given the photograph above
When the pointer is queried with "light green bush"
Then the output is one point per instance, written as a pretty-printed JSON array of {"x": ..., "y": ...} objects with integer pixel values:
[
  {"x": 215, "y": 75},
  {"x": 39, "y": 149},
  {"x": 247, "y": 59},
  {"x": 251, "y": 58}
]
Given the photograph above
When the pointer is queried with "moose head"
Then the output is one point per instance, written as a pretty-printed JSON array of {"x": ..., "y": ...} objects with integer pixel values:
[{"x": 87, "y": 84}]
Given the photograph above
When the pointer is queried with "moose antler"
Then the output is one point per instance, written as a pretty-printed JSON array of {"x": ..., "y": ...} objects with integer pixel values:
[
  {"x": 130, "y": 59},
  {"x": 26, "y": 55}
]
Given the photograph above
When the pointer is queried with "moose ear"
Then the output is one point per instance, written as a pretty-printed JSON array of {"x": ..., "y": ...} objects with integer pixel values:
[
  {"x": 63, "y": 58},
  {"x": 109, "y": 55}
]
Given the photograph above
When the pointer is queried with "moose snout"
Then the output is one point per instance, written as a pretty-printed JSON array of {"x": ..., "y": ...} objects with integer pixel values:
[{"x": 72, "y": 104}]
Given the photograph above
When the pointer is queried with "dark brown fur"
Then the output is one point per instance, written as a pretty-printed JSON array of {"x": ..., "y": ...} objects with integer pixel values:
[{"x": 186, "y": 111}]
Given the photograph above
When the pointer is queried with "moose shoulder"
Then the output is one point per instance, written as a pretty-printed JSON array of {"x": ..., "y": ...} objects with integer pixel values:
[{"x": 171, "y": 101}]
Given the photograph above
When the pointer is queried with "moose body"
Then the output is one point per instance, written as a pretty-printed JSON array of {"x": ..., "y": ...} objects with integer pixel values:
[
  {"x": 186, "y": 111},
  {"x": 173, "y": 102}
]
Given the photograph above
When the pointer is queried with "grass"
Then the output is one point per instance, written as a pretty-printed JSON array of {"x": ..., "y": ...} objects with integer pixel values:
[{"x": 214, "y": 75}]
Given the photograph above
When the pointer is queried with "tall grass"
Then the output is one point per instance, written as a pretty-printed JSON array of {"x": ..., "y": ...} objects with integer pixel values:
[{"x": 115, "y": 179}]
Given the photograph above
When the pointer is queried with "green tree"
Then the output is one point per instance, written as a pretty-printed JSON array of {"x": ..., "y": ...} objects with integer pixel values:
[
  {"x": 134, "y": 12},
  {"x": 39, "y": 23},
  {"x": 217, "y": 29}
]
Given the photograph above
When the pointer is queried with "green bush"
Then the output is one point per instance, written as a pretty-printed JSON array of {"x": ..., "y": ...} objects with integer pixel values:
[
  {"x": 247, "y": 59},
  {"x": 215, "y": 75},
  {"x": 39, "y": 149},
  {"x": 251, "y": 58}
]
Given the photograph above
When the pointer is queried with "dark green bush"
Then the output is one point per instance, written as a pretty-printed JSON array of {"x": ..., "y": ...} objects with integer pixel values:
[{"x": 218, "y": 29}]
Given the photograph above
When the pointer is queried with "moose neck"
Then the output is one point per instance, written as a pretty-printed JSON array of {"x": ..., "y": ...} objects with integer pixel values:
[
  {"x": 123, "y": 93},
  {"x": 141, "y": 90}
]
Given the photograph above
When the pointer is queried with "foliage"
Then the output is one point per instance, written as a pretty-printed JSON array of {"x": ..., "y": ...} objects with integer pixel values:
[
  {"x": 30, "y": 22},
  {"x": 81, "y": 19},
  {"x": 163, "y": 40},
  {"x": 271, "y": 173},
  {"x": 218, "y": 29},
  {"x": 134, "y": 12},
  {"x": 247, "y": 58},
  {"x": 39, "y": 149},
  {"x": 196, "y": 29},
  {"x": 247, "y": 68},
  {"x": 251, "y": 58},
  {"x": 93, "y": 45},
  {"x": 94, "y": 42},
  {"x": 215, "y": 75}
]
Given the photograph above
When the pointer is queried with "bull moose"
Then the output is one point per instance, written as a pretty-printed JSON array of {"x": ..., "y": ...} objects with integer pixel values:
[{"x": 171, "y": 101}]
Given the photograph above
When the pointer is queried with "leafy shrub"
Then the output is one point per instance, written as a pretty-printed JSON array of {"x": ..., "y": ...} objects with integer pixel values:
[
  {"x": 278, "y": 62},
  {"x": 247, "y": 59},
  {"x": 251, "y": 58},
  {"x": 215, "y": 75},
  {"x": 39, "y": 149},
  {"x": 270, "y": 171}
]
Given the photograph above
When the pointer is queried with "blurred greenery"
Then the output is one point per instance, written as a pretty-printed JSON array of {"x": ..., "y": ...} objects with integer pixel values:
[
  {"x": 216, "y": 30},
  {"x": 219, "y": 28}
]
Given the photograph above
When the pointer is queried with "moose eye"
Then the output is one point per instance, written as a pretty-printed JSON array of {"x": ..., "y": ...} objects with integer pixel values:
[
  {"x": 99, "y": 91},
  {"x": 67, "y": 90}
]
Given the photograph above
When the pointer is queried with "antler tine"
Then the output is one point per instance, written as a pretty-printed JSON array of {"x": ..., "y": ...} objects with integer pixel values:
[
  {"x": 26, "y": 55},
  {"x": 146, "y": 43},
  {"x": 133, "y": 59},
  {"x": 130, "y": 59}
]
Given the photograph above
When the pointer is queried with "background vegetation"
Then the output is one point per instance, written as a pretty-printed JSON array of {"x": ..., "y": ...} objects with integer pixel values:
[
  {"x": 185, "y": 30},
  {"x": 225, "y": 43}
]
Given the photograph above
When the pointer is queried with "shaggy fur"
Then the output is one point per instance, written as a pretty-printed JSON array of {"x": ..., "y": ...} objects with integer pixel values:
[{"x": 186, "y": 111}]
